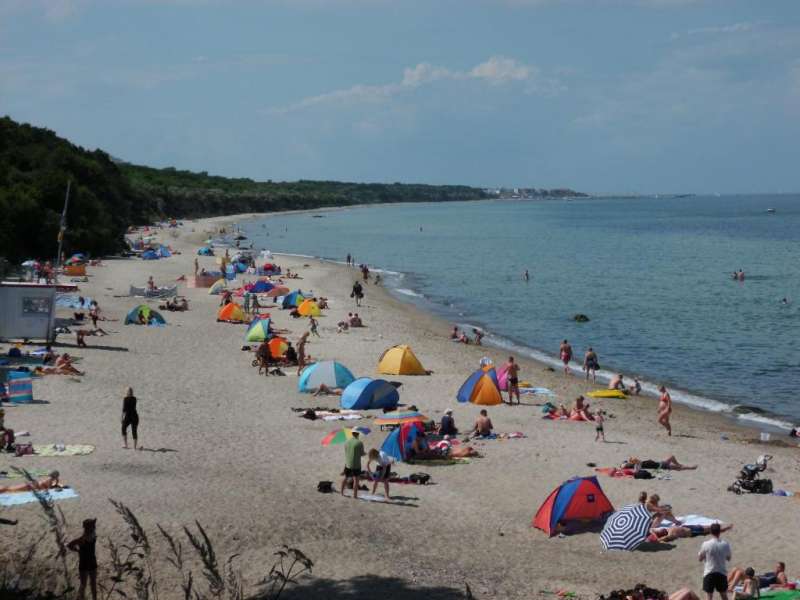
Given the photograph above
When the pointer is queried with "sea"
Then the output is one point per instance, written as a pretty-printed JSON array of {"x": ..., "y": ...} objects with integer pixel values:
[{"x": 652, "y": 274}]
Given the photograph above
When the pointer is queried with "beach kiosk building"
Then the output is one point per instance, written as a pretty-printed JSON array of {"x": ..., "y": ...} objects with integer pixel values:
[{"x": 27, "y": 310}]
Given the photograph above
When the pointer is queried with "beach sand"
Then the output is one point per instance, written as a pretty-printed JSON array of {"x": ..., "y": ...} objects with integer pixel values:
[{"x": 223, "y": 447}]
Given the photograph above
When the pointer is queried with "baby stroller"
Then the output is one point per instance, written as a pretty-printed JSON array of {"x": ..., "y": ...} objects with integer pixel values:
[{"x": 749, "y": 480}]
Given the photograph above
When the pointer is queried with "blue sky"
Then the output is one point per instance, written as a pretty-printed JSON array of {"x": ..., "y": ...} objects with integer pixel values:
[{"x": 599, "y": 95}]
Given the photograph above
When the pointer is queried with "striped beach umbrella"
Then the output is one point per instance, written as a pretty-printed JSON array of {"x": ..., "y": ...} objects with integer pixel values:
[
  {"x": 627, "y": 528},
  {"x": 340, "y": 436},
  {"x": 398, "y": 417}
]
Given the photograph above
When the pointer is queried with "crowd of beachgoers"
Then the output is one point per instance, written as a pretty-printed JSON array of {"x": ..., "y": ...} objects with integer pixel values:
[{"x": 232, "y": 365}]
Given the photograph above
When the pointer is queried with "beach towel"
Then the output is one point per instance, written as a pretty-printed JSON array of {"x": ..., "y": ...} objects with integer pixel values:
[
  {"x": 62, "y": 450},
  {"x": 440, "y": 462},
  {"x": 781, "y": 595},
  {"x": 539, "y": 391},
  {"x": 28, "y": 497},
  {"x": 344, "y": 417},
  {"x": 35, "y": 473},
  {"x": 691, "y": 520},
  {"x": 614, "y": 472}
]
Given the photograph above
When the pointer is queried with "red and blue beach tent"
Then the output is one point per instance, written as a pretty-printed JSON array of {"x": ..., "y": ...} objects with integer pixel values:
[{"x": 579, "y": 501}]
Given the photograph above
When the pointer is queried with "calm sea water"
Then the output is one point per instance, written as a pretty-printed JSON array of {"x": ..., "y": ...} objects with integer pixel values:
[{"x": 653, "y": 275}]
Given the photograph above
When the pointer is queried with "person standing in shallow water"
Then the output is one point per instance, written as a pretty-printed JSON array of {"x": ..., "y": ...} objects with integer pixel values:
[
  {"x": 664, "y": 409},
  {"x": 565, "y": 353},
  {"x": 526, "y": 276},
  {"x": 590, "y": 363},
  {"x": 130, "y": 418}
]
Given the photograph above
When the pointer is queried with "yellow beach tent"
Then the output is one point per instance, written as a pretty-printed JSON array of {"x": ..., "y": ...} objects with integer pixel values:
[
  {"x": 309, "y": 308},
  {"x": 400, "y": 360},
  {"x": 217, "y": 287}
]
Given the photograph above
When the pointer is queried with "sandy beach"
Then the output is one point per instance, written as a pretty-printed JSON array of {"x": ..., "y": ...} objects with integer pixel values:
[{"x": 222, "y": 446}]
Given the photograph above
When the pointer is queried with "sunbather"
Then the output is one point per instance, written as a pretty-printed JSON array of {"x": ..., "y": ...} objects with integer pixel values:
[
  {"x": 51, "y": 482},
  {"x": 669, "y": 464},
  {"x": 668, "y": 534},
  {"x": 327, "y": 390},
  {"x": 776, "y": 578}
]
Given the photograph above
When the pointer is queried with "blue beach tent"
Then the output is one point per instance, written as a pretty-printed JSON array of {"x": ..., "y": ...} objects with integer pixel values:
[
  {"x": 149, "y": 255},
  {"x": 164, "y": 252},
  {"x": 329, "y": 372},
  {"x": 366, "y": 393},
  {"x": 261, "y": 287},
  {"x": 205, "y": 251},
  {"x": 399, "y": 441},
  {"x": 293, "y": 299}
]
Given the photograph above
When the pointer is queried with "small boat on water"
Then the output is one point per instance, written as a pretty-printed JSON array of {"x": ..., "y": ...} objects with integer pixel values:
[{"x": 771, "y": 211}]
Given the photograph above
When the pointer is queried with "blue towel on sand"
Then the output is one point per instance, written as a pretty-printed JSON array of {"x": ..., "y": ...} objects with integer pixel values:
[{"x": 28, "y": 497}]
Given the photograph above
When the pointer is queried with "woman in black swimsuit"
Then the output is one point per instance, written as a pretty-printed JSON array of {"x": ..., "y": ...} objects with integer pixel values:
[
  {"x": 130, "y": 418},
  {"x": 87, "y": 559}
]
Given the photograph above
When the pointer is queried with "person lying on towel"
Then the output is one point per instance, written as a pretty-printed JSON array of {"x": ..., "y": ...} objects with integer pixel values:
[{"x": 51, "y": 482}]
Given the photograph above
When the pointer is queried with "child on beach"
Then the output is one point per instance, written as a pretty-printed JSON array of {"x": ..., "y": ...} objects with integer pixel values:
[
  {"x": 598, "y": 421},
  {"x": 313, "y": 326}
]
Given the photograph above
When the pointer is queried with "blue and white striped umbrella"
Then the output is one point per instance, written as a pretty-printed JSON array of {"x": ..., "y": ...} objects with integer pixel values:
[{"x": 627, "y": 528}]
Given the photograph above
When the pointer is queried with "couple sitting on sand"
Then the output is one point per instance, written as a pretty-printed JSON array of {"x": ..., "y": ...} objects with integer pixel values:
[
  {"x": 745, "y": 584},
  {"x": 63, "y": 366},
  {"x": 178, "y": 305}
]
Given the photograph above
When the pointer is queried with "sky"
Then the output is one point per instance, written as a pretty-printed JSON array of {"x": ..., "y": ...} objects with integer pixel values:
[{"x": 603, "y": 96}]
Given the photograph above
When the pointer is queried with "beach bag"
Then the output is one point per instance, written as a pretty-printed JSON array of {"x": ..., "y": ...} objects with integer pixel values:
[
  {"x": 642, "y": 474},
  {"x": 419, "y": 478},
  {"x": 325, "y": 487},
  {"x": 23, "y": 449}
]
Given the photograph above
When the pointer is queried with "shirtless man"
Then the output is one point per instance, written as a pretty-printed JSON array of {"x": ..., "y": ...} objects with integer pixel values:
[
  {"x": 618, "y": 383},
  {"x": 301, "y": 352},
  {"x": 565, "y": 353},
  {"x": 664, "y": 409},
  {"x": 483, "y": 424},
  {"x": 512, "y": 369},
  {"x": 47, "y": 483}
]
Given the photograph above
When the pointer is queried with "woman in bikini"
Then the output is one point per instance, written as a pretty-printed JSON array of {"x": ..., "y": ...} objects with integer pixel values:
[{"x": 664, "y": 409}]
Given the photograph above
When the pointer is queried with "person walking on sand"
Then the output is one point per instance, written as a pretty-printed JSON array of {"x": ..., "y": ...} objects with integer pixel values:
[
  {"x": 353, "y": 451},
  {"x": 301, "y": 352},
  {"x": 357, "y": 293},
  {"x": 715, "y": 554},
  {"x": 664, "y": 409},
  {"x": 196, "y": 266},
  {"x": 565, "y": 352},
  {"x": 87, "y": 557},
  {"x": 312, "y": 322},
  {"x": 130, "y": 418},
  {"x": 590, "y": 363},
  {"x": 512, "y": 374}
]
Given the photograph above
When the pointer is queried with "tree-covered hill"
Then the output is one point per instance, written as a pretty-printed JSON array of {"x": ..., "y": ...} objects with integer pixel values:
[
  {"x": 108, "y": 195},
  {"x": 187, "y": 194},
  {"x": 35, "y": 165}
]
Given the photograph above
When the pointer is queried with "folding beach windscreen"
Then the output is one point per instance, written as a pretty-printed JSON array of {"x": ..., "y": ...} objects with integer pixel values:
[{"x": 20, "y": 387}]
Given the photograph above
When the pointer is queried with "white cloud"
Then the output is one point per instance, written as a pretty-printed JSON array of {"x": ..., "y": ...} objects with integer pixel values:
[{"x": 497, "y": 70}]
